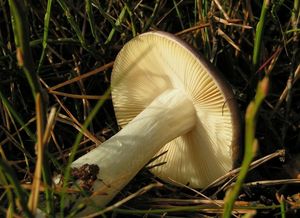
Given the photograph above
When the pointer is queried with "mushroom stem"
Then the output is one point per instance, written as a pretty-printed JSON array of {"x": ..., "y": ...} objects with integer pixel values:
[{"x": 119, "y": 159}]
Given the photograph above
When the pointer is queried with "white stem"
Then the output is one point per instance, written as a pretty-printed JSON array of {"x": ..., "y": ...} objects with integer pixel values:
[{"x": 170, "y": 115}]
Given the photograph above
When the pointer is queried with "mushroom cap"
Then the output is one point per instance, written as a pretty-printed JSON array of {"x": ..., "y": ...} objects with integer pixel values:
[{"x": 153, "y": 62}]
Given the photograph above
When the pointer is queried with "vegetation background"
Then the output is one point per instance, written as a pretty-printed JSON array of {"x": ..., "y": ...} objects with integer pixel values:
[{"x": 55, "y": 63}]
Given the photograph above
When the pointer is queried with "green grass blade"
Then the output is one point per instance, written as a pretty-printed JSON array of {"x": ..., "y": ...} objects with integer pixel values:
[
  {"x": 89, "y": 11},
  {"x": 251, "y": 144},
  {"x": 295, "y": 15},
  {"x": 282, "y": 207},
  {"x": 74, "y": 149},
  {"x": 25, "y": 60},
  {"x": 178, "y": 14},
  {"x": 151, "y": 18},
  {"x": 21, "y": 34},
  {"x": 72, "y": 22},
  {"x": 133, "y": 28},
  {"x": 259, "y": 33},
  {"x": 117, "y": 24},
  {"x": 106, "y": 16},
  {"x": 203, "y": 14},
  {"x": 46, "y": 30}
]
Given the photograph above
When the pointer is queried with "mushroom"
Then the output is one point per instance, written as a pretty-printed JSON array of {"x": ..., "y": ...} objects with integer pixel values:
[{"x": 168, "y": 100}]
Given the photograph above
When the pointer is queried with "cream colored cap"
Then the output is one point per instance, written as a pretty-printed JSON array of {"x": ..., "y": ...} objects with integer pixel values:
[{"x": 153, "y": 62}]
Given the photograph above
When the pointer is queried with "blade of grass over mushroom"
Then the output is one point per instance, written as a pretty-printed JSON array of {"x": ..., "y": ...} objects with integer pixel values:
[
  {"x": 21, "y": 195},
  {"x": 67, "y": 171},
  {"x": 251, "y": 144},
  {"x": 117, "y": 24},
  {"x": 46, "y": 30}
]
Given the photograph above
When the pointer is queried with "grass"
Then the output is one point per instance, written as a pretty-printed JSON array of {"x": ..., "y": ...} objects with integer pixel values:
[{"x": 55, "y": 64}]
